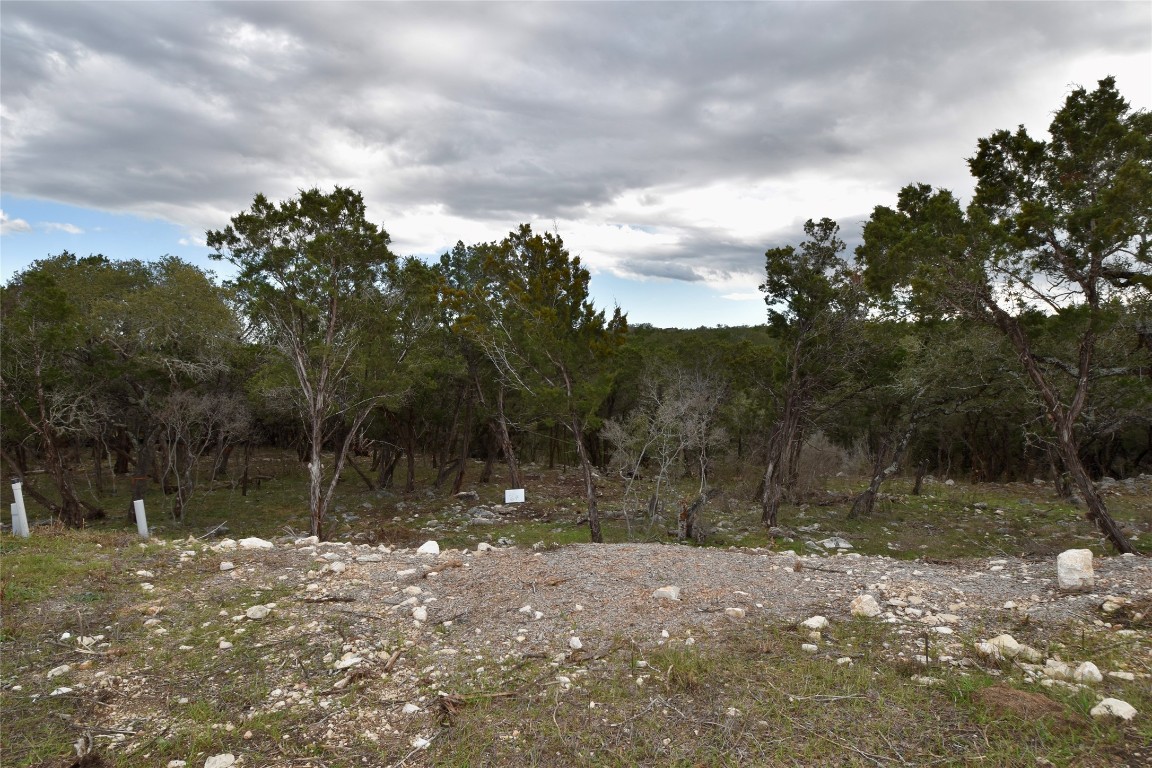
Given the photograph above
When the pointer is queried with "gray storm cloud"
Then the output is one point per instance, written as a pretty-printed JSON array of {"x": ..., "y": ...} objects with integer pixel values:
[{"x": 501, "y": 113}]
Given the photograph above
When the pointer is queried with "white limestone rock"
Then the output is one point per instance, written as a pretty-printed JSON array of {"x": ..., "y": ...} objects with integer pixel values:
[
  {"x": 227, "y": 565},
  {"x": 667, "y": 593},
  {"x": 428, "y": 548},
  {"x": 865, "y": 605},
  {"x": 1074, "y": 570},
  {"x": 575, "y": 643},
  {"x": 420, "y": 613},
  {"x": 734, "y": 613},
  {"x": 1087, "y": 672},
  {"x": 1057, "y": 670},
  {"x": 1117, "y": 708},
  {"x": 816, "y": 622},
  {"x": 224, "y": 760},
  {"x": 258, "y": 612},
  {"x": 254, "y": 542},
  {"x": 57, "y": 671}
]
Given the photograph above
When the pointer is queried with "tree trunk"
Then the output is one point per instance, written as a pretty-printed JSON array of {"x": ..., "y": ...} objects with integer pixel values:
[
  {"x": 465, "y": 446},
  {"x": 921, "y": 470},
  {"x": 781, "y": 449},
  {"x": 491, "y": 451},
  {"x": 220, "y": 465},
  {"x": 33, "y": 494},
  {"x": 316, "y": 506},
  {"x": 247, "y": 466},
  {"x": 99, "y": 454},
  {"x": 367, "y": 480},
  {"x": 689, "y": 527},
  {"x": 864, "y": 503},
  {"x": 589, "y": 482},
  {"x": 505, "y": 439},
  {"x": 389, "y": 458},
  {"x": 1063, "y": 418},
  {"x": 1097, "y": 511},
  {"x": 410, "y": 450}
]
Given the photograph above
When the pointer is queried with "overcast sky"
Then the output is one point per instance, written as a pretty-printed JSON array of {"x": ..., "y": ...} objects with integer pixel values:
[{"x": 670, "y": 144}]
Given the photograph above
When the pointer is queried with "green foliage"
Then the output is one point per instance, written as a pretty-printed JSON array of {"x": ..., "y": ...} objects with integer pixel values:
[{"x": 312, "y": 271}]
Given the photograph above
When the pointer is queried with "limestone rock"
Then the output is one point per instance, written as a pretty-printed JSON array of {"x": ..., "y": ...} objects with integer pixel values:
[
  {"x": 865, "y": 605},
  {"x": 1057, "y": 670},
  {"x": 57, "y": 671},
  {"x": 428, "y": 548},
  {"x": 420, "y": 613},
  {"x": 816, "y": 622},
  {"x": 254, "y": 542},
  {"x": 835, "y": 542},
  {"x": 257, "y": 612},
  {"x": 1087, "y": 672},
  {"x": 1074, "y": 570},
  {"x": 574, "y": 643},
  {"x": 667, "y": 593},
  {"x": 735, "y": 613},
  {"x": 227, "y": 565},
  {"x": 1117, "y": 708},
  {"x": 224, "y": 760}
]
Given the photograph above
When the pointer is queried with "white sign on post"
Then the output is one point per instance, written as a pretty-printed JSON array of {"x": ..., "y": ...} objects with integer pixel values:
[
  {"x": 514, "y": 496},
  {"x": 19, "y": 514}
]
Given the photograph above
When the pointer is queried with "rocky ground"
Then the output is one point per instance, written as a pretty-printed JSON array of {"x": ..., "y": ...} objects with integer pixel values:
[{"x": 305, "y": 624}]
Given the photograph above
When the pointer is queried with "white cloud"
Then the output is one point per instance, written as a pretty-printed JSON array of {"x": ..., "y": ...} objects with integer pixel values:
[
  {"x": 56, "y": 226},
  {"x": 12, "y": 226},
  {"x": 668, "y": 141}
]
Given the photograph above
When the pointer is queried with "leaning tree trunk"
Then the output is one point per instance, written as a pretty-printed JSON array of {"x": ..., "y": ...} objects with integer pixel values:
[
  {"x": 220, "y": 463},
  {"x": 589, "y": 482},
  {"x": 865, "y": 502},
  {"x": 1063, "y": 419},
  {"x": 1097, "y": 511},
  {"x": 505, "y": 439}
]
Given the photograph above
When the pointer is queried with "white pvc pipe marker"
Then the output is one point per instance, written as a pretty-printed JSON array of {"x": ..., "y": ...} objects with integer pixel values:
[
  {"x": 141, "y": 520},
  {"x": 19, "y": 514}
]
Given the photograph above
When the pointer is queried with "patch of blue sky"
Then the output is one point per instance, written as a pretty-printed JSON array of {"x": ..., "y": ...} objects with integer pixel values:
[
  {"x": 674, "y": 303},
  {"x": 36, "y": 229}
]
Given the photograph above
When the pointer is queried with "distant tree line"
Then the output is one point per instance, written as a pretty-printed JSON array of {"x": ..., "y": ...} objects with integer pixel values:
[{"x": 1008, "y": 339}]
